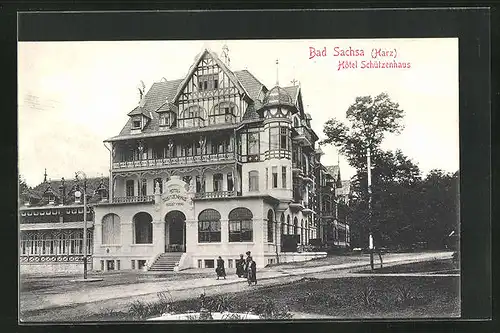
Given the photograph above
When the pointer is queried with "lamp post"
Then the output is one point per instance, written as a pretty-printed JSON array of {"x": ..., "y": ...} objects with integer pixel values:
[
  {"x": 84, "y": 220},
  {"x": 370, "y": 237}
]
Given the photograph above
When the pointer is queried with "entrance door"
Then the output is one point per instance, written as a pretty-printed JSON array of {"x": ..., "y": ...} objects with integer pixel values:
[{"x": 176, "y": 224}]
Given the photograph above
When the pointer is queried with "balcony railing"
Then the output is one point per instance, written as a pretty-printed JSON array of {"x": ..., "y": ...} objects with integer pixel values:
[
  {"x": 303, "y": 135},
  {"x": 216, "y": 194},
  {"x": 179, "y": 160},
  {"x": 134, "y": 199}
]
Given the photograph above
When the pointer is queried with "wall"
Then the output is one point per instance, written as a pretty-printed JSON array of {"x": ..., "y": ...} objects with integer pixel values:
[
  {"x": 126, "y": 250},
  {"x": 49, "y": 268}
]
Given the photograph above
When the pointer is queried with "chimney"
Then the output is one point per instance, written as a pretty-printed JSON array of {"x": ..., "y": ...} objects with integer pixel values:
[{"x": 62, "y": 191}]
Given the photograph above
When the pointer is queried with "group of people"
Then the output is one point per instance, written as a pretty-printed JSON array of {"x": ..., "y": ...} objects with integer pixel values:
[{"x": 245, "y": 268}]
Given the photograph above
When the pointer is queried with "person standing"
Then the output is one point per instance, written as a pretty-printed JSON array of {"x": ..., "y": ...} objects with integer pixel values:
[
  {"x": 240, "y": 266},
  {"x": 220, "y": 270},
  {"x": 252, "y": 271},
  {"x": 247, "y": 261}
]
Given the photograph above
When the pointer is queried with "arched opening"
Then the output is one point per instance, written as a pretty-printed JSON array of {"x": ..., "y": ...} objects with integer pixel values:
[
  {"x": 282, "y": 220},
  {"x": 209, "y": 226},
  {"x": 302, "y": 231},
  {"x": 240, "y": 225},
  {"x": 295, "y": 226},
  {"x": 143, "y": 228},
  {"x": 288, "y": 225},
  {"x": 111, "y": 231},
  {"x": 270, "y": 226},
  {"x": 176, "y": 231}
]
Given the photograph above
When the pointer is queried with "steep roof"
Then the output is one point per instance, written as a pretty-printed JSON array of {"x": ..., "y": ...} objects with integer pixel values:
[
  {"x": 293, "y": 91},
  {"x": 92, "y": 184},
  {"x": 161, "y": 96},
  {"x": 251, "y": 84}
]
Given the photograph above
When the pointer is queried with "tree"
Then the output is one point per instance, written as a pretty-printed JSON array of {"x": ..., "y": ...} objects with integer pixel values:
[
  {"x": 369, "y": 120},
  {"x": 23, "y": 187}
]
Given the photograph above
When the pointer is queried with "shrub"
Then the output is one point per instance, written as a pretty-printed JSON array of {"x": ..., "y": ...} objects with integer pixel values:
[
  {"x": 142, "y": 310},
  {"x": 268, "y": 309}
]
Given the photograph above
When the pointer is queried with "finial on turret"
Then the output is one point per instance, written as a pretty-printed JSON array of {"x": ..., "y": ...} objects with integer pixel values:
[
  {"x": 277, "y": 73},
  {"x": 45, "y": 176},
  {"x": 225, "y": 54}
]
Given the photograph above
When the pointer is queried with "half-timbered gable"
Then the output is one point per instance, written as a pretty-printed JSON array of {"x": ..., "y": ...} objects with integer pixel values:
[{"x": 210, "y": 94}]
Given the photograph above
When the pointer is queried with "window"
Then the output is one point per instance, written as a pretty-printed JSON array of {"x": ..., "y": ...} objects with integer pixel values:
[
  {"x": 141, "y": 264},
  {"x": 198, "y": 184},
  {"x": 118, "y": 265},
  {"x": 296, "y": 122},
  {"x": 200, "y": 263},
  {"x": 144, "y": 186},
  {"x": 284, "y": 138},
  {"x": 143, "y": 228},
  {"x": 159, "y": 182},
  {"x": 253, "y": 180},
  {"x": 165, "y": 119},
  {"x": 229, "y": 263},
  {"x": 209, "y": 263},
  {"x": 111, "y": 229},
  {"x": 230, "y": 183},
  {"x": 136, "y": 124},
  {"x": 130, "y": 188},
  {"x": 283, "y": 176},
  {"x": 208, "y": 82},
  {"x": 267, "y": 178},
  {"x": 253, "y": 143},
  {"x": 275, "y": 177},
  {"x": 218, "y": 182},
  {"x": 270, "y": 226},
  {"x": 274, "y": 138},
  {"x": 132, "y": 264},
  {"x": 209, "y": 226},
  {"x": 102, "y": 265},
  {"x": 282, "y": 220},
  {"x": 240, "y": 225}
]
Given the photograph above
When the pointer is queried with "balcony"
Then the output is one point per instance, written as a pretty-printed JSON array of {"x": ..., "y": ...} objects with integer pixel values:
[
  {"x": 135, "y": 199},
  {"x": 173, "y": 161},
  {"x": 216, "y": 194},
  {"x": 304, "y": 137}
]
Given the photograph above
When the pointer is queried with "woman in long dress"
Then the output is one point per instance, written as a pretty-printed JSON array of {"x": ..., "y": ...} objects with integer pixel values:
[
  {"x": 220, "y": 270},
  {"x": 240, "y": 266},
  {"x": 252, "y": 272}
]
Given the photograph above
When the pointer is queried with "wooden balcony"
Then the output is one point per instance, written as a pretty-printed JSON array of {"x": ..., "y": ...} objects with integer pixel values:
[
  {"x": 135, "y": 199},
  {"x": 217, "y": 194},
  {"x": 174, "y": 161},
  {"x": 303, "y": 136}
]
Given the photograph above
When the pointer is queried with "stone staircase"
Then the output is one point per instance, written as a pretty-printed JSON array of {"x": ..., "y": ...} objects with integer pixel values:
[{"x": 165, "y": 262}]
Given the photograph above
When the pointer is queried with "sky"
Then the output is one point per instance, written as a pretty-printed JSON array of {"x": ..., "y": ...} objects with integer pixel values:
[{"x": 74, "y": 95}]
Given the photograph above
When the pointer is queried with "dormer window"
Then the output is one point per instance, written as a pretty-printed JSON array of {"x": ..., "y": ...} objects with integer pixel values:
[
  {"x": 52, "y": 198},
  {"x": 136, "y": 124},
  {"x": 166, "y": 119}
]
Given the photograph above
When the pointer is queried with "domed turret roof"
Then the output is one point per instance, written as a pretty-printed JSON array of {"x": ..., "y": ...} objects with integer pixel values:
[{"x": 276, "y": 96}]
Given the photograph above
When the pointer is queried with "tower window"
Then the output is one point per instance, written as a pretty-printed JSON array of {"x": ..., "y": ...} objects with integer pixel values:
[{"x": 275, "y": 177}]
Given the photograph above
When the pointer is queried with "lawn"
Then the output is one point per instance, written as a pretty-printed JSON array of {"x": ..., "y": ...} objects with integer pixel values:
[
  {"x": 343, "y": 298},
  {"x": 441, "y": 266}
]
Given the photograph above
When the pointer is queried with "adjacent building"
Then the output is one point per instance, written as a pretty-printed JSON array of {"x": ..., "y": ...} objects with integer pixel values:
[{"x": 51, "y": 224}]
